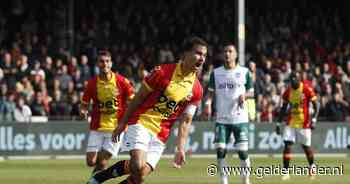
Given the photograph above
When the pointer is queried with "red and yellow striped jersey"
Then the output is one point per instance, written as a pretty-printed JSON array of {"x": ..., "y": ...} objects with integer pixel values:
[
  {"x": 299, "y": 100},
  {"x": 171, "y": 93},
  {"x": 109, "y": 101}
]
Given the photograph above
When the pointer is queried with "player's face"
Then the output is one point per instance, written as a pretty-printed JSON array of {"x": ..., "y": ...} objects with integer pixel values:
[
  {"x": 230, "y": 54},
  {"x": 295, "y": 80},
  {"x": 196, "y": 57},
  {"x": 105, "y": 64}
]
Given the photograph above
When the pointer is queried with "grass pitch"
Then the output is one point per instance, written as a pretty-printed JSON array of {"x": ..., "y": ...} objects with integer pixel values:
[{"x": 195, "y": 171}]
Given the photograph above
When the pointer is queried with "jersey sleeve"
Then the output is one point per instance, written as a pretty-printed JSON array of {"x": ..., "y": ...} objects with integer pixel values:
[
  {"x": 88, "y": 92},
  {"x": 285, "y": 95},
  {"x": 129, "y": 89},
  {"x": 197, "y": 95},
  {"x": 211, "y": 85},
  {"x": 153, "y": 80},
  {"x": 310, "y": 93}
]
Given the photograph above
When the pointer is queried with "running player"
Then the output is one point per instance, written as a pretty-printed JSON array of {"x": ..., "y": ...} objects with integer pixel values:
[{"x": 109, "y": 93}]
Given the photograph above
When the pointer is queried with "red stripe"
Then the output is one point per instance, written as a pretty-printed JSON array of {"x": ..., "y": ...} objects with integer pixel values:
[
  {"x": 121, "y": 97},
  {"x": 306, "y": 106},
  {"x": 95, "y": 115}
]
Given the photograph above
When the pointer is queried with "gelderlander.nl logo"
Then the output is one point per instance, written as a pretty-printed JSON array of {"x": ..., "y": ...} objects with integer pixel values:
[{"x": 275, "y": 170}]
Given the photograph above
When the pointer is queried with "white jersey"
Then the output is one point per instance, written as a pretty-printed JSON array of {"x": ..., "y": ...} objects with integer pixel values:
[{"x": 228, "y": 85}]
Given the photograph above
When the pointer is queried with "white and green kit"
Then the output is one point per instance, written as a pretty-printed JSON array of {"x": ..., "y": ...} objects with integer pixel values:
[{"x": 228, "y": 85}]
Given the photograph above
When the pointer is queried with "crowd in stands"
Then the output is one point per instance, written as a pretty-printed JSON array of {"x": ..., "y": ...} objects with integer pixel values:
[{"x": 43, "y": 74}]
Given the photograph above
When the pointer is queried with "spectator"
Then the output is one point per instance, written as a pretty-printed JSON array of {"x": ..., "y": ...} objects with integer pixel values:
[
  {"x": 337, "y": 109},
  {"x": 9, "y": 70},
  {"x": 64, "y": 78},
  {"x": 78, "y": 81},
  {"x": 22, "y": 112},
  {"x": 3, "y": 102},
  {"x": 74, "y": 106},
  {"x": 84, "y": 68},
  {"x": 58, "y": 107},
  {"x": 38, "y": 107}
]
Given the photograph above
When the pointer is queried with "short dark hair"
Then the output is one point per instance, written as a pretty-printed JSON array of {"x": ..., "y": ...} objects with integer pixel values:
[
  {"x": 104, "y": 53},
  {"x": 228, "y": 43},
  {"x": 192, "y": 41}
]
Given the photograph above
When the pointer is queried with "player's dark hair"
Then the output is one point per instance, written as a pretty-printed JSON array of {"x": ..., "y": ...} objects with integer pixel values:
[
  {"x": 193, "y": 41},
  {"x": 228, "y": 43},
  {"x": 104, "y": 53}
]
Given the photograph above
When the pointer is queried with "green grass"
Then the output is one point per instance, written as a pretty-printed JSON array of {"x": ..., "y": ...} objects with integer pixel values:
[{"x": 75, "y": 172}]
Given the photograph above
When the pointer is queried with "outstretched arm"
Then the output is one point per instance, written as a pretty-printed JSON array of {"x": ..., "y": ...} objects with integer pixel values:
[
  {"x": 281, "y": 115},
  {"x": 316, "y": 106},
  {"x": 183, "y": 130}
]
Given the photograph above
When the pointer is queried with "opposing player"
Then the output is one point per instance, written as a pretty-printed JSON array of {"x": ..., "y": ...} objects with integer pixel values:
[
  {"x": 171, "y": 90},
  {"x": 109, "y": 93},
  {"x": 230, "y": 84},
  {"x": 296, "y": 100}
]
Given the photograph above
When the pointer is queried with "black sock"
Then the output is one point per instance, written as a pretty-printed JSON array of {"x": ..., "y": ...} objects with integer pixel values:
[
  {"x": 286, "y": 158},
  {"x": 309, "y": 155},
  {"x": 116, "y": 170}
]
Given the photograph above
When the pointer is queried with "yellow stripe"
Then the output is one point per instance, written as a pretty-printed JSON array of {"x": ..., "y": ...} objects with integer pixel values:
[
  {"x": 151, "y": 120},
  {"x": 106, "y": 94}
]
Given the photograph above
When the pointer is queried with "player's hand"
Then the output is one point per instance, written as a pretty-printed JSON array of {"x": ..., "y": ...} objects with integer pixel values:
[
  {"x": 117, "y": 132},
  {"x": 278, "y": 129},
  {"x": 241, "y": 100},
  {"x": 313, "y": 123},
  {"x": 179, "y": 159},
  {"x": 83, "y": 114}
]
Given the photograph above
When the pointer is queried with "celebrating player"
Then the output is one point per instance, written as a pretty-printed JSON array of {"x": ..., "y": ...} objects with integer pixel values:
[
  {"x": 109, "y": 92},
  {"x": 231, "y": 84},
  {"x": 296, "y": 100},
  {"x": 169, "y": 91}
]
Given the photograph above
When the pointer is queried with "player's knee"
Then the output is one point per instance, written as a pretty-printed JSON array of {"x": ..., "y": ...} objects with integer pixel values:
[
  {"x": 220, "y": 153},
  {"x": 307, "y": 149},
  {"x": 147, "y": 169},
  {"x": 288, "y": 145},
  {"x": 136, "y": 166},
  {"x": 243, "y": 155}
]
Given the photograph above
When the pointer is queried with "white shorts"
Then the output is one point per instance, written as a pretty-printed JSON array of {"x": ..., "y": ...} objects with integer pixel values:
[
  {"x": 300, "y": 135},
  {"x": 102, "y": 140},
  {"x": 138, "y": 137}
]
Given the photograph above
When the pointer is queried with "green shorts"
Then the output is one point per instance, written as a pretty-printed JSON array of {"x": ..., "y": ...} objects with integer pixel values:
[{"x": 223, "y": 133}]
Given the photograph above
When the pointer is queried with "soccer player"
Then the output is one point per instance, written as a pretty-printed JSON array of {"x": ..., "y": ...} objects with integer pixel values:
[
  {"x": 296, "y": 100},
  {"x": 168, "y": 93},
  {"x": 109, "y": 93},
  {"x": 231, "y": 84}
]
